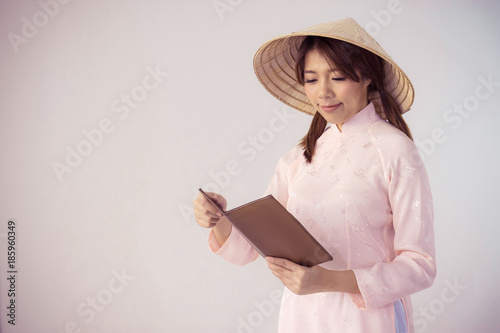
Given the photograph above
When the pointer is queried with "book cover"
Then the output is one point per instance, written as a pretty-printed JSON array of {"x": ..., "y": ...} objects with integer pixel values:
[{"x": 274, "y": 232}]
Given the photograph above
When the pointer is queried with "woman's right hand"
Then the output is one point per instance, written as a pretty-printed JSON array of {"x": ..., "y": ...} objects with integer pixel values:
[{"x": 206, "y": 215}]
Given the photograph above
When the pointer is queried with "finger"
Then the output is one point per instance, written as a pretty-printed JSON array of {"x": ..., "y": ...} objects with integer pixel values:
[
  {"x": 280, "y": 271},
  {"x": 206, "y": 213},
  {"x": 203, "y": 206},
  {"x": 205, "y": 224},
  {"x": 285, "y": 263},
  {"x": 279, "y": 275},
  {"x": 206, "y": 221},
  {"x": 219, "y": 199},
  {"x": 287, "y": 281}
]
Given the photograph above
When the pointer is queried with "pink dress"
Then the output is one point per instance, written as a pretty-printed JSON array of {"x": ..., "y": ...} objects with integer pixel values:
[{"x": 366, "y": 198}]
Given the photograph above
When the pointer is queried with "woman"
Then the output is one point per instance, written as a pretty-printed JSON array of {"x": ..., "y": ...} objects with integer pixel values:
[{"x": 359, "y": 185}]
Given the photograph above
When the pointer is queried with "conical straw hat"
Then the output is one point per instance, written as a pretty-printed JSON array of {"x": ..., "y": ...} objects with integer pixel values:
[{"x": 274, "y": 64}]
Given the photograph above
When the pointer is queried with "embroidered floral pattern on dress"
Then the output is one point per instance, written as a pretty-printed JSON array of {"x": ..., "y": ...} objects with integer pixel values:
[
  {"x": 371, "y": 209},
  {"x": 408, "y": 172}
]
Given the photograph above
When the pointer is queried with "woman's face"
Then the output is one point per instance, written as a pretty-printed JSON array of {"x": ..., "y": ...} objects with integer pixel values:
[{"x": 336, "y": 97}]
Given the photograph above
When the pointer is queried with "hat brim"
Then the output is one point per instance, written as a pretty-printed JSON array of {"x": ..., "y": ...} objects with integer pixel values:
[{"x": 274, "y": 65}]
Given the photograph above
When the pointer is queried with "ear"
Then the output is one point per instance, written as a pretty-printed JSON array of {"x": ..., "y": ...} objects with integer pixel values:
[{"x": 366, "y": 82}]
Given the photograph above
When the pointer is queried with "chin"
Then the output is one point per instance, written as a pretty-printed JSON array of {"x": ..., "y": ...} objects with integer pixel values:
[{"x": 334, "y": 120}]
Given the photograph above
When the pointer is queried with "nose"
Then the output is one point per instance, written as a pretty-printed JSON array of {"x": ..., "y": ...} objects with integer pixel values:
[{"x": 325, "y": 90}]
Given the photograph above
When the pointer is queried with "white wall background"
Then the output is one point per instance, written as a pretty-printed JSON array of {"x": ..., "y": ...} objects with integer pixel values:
[{"x": 124, "y": 208}]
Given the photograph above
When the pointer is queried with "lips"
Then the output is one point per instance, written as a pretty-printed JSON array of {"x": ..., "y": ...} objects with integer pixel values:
[{"x": 330, "y": 107}]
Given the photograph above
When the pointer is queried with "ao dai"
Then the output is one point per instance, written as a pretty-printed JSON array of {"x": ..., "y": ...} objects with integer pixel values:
[{"x": 366, "y": 198}]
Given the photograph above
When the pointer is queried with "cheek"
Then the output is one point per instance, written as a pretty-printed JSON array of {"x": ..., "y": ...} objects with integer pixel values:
[
  {"x": 344, "y": 91},
  {"x": 309, "y": 94},
  {"x": 355, "y": 91}
]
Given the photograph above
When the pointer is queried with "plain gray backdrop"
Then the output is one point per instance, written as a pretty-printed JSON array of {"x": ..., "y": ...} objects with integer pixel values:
[{"x": 113, "y": 113}]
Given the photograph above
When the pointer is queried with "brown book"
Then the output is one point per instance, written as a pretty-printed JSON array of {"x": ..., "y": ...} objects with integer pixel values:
[{"x": 274, "y": 232}]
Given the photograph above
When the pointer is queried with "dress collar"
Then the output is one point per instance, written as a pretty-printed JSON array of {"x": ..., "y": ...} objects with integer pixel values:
[{"x": 361, "y": 120}]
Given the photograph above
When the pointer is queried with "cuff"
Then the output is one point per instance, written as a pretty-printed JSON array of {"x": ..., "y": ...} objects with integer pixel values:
[
  {"x": 359, "y": 299},
  {"x": 214, "y": 245},
  {"x": 235, "y": 250}
]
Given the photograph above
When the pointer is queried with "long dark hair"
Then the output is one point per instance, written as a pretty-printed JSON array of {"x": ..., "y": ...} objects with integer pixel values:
[{"x": 353, "y": 62}]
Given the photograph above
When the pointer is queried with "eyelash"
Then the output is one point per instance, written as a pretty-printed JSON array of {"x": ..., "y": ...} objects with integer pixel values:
[{"x": 333, "y": 79}]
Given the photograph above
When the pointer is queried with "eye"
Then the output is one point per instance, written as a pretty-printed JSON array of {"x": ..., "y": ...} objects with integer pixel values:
[
  {"x": 338, "y": 79},
  {"x": 310, "y": 80}
]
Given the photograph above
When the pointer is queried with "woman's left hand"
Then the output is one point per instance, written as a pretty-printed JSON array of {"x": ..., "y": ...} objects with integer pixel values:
[{"x": 309, "y": 280}]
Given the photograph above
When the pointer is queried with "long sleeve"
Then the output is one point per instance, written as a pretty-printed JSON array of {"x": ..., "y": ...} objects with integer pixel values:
[
  {"x": 413, "y": 268},
  {"x": 236, "y": 249},
  {"x": 366, "y": 198}
]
